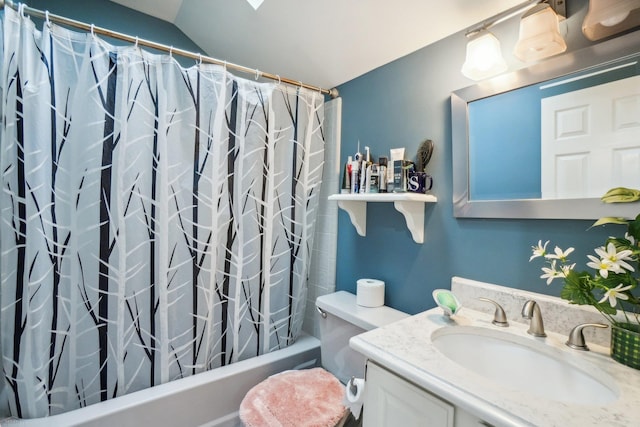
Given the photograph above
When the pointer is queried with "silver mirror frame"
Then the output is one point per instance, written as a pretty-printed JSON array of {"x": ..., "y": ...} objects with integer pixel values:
[{"x": 616, "y": 49}]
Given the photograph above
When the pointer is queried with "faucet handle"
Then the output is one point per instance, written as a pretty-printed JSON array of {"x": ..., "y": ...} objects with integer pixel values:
[
  {"x": 576, "y": 337},
  {"x": 531, "y": 311},
  {"x": 499, "y": 317}
]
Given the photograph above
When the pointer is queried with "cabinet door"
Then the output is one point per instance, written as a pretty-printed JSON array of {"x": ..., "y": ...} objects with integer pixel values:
[{"x": 391, "y": 401}]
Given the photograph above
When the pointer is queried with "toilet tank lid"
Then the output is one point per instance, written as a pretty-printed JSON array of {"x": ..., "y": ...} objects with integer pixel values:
[{"x": 342, "y": 304}]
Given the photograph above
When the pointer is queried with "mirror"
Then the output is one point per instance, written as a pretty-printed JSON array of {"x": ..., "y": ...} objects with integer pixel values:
[{"x": 498, "y": 168}]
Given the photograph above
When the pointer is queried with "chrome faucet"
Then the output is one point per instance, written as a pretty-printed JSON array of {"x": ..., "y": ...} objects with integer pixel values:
[{"x": 531, "y": 310}]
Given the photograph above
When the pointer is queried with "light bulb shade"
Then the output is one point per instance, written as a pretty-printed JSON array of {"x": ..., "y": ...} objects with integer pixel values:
[
  {"x": 606, "y": 18},
  {"x": 539, "y": 35},
  {"x": 484, "y": 57}
]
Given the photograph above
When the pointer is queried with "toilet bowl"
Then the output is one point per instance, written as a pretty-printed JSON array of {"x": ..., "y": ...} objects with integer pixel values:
[{"x": 314, "y": 397}]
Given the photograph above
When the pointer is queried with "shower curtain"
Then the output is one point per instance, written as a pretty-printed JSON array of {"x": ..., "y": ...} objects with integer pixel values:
[{"x": 156, "y": 221}]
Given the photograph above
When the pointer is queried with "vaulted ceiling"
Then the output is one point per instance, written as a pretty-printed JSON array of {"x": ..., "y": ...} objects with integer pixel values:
[{"x": 321, "y": 42}]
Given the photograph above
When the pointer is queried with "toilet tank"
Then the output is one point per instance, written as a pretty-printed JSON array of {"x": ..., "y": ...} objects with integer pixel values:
[{"x": 344, "y": 320}]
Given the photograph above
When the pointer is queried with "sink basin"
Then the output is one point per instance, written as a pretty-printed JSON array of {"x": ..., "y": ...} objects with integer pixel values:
[{"x": 525, "y": 365}]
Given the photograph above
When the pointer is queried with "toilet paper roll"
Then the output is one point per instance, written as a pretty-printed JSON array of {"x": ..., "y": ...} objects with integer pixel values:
[
  {"x": 354, "y": 396},
  {"x": 370, "y": 293}
]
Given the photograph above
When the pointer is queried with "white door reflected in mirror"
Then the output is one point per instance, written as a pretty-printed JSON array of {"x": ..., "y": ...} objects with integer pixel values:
[{"x": 596, "y": 129}]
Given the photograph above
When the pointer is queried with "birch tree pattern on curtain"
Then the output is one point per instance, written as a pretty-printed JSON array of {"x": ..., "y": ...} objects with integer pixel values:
[{"x": 156, "y": 221}]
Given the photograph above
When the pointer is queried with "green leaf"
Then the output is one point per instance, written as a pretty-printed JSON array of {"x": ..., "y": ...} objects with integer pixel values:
[
  {"x": 634, "y": 228},
  {"x": 609, "y": 220},
  {"x": 621, "y": 195},
  {"x": 577, "y": 288}
]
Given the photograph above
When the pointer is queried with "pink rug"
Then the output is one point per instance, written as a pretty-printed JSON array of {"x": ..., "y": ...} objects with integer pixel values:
[{"x": 305, "y": 398}]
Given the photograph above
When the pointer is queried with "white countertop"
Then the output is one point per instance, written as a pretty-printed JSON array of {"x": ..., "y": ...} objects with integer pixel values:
[{"x": 405, "y": 348}]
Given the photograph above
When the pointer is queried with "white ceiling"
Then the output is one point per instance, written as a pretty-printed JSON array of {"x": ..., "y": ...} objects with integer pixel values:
[{"x": 320, "y": 42}]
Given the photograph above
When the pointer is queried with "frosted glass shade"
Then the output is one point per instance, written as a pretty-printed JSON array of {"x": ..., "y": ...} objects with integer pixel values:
[
  {"x": 606, "y": 18},
  {"x": 539, "y": 35},
  {"x": 484, "y": 57}
]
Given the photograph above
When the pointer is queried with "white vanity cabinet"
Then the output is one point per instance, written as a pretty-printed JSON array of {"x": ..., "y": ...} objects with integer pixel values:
[{"x": 390, "y": 400}]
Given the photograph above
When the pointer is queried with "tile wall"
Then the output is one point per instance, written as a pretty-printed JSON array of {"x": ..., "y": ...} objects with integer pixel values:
[{"x": 322, "y": 271}]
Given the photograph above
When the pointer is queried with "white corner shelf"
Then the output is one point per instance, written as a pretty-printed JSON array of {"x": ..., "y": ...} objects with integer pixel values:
[{"x": 411, "y": 205}]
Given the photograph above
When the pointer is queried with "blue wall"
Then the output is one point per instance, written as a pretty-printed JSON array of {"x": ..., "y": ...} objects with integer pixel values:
[
  {"x": 402, "y": 104},
  {"x": 513, "y": 151}
]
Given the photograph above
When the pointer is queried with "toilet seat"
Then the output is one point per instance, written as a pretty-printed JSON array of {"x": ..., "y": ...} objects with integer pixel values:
[{"x": 309, "y": 397}]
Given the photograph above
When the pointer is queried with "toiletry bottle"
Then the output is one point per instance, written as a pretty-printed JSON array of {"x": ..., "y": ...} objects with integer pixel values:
[
  {"x": 349, "y": 167},
  {"x": 366, "y": 161},
  {"x": 398, "y": 174},
  {"x": 357, "y": 171},
  {"x": 367, "y": 182},
  {"x": 374, "y": 179},
  {"x": 395, "y": 171},
  {"x": 346, "y": 178},
  {"x": 355, "y": 177},
  {"x": 363, "y": 177},
  {"x": 382, "y": 175}
]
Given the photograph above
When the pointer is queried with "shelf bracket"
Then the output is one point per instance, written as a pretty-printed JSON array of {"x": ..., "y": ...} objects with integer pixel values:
[
  {"x": 410, "y": 205},
  {"x": 357, "y": 213},
  {"x": 414, "y": 216}
]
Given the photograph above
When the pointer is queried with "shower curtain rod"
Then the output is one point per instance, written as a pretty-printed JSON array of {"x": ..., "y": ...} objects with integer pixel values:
[{"x": 159, "y": 46}]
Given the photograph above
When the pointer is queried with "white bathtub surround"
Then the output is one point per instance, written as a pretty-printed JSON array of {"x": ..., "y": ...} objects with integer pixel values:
[
  {"x": 405, "y": 347},
  {"x": 322, "y": 271},
  {"x": 209, "y": 399}
]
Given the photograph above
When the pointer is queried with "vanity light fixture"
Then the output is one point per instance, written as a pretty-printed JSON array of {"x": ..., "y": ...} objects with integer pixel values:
[
  {"x": 539, "y": 34},
  {"x": 606, "y": 18},
  {"x": 484, "y": 56}
]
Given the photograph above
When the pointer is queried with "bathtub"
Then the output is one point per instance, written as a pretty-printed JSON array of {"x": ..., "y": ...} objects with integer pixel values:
[{"x": 204, "y": 400}]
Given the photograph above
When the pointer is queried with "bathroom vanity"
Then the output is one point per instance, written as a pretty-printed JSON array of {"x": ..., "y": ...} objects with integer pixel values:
[
  {"x": 392, "y": 400},
  {"x": 464, "y": 371}
]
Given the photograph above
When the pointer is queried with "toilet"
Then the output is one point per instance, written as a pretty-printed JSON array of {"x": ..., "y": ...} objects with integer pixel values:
[{"x": 314, "y": 397}]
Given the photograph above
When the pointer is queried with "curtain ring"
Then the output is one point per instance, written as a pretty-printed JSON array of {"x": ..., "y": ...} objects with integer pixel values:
[
  {"x": 225, "y": 66},
  {"x": 279, "y": 80},
  {"x": 93, "y": 27},
  {"x": 199, "y": 59},
  {"x": 257, "y": 74},
  {"x": 46, "y": 17},
  {"x": 171, "y": 51},
  {"x": 21, "y": 10},
  {"x": 137, "y": 41}
]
